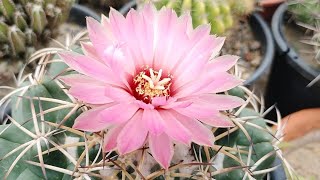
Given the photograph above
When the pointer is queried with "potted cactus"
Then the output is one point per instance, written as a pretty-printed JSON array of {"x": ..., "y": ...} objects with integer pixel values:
[
  {"x": 26, "y": 26},
  {"x": 119, "y": 107},
  {"x": 247, "y": 34},
  {"x": 297, "y": 63}
]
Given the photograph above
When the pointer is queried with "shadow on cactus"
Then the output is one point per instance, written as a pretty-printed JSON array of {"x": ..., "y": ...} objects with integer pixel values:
[
  {"x": 42, "y": 139},
  {"x": 26, "y": 25}
]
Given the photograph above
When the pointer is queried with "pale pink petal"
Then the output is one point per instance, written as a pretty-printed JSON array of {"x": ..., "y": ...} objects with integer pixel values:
[
  {"x": 143, "y": 105},
  {"x": 174, "y": 128},
  {"x": 89, "y": 50},
  {"x": 222, "y": 82},
  {"x": 159, "y": 101},
  {"x": 215, "y": 83},
  {"x": 110, "y": 139},
  {"x": 90, "y": 67},
  {"x": 119, "y": 113},
  {"x": 91, "y": 120},
  {"x": 132, "y": 136},
  {"x": 118, "y": 94},
  {"x": 222, "y": 102},
  {"x": 100, "y": 37},
  {"x": 177, "y": 104},
  {"x": 201, "y": 134},
  {"x": 219, "y": 41},
  {"x": 117, "y": 23},
  {"x": 91, "y": 94},
  {"x": 197, "y": 110},
  {"x": 195, "y": 61},
  {"x": 218, "y": 120},
  {"x": 166, "y": 54},
  {"x": 153, "y": 121},
  {"x": 161, "y": 149},
  {"x": 77, "y": 79},
  {"x": 222, "y": 63}
]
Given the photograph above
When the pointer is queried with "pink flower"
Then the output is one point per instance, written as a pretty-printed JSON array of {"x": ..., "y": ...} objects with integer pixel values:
[{"x": 150, "y": 78}]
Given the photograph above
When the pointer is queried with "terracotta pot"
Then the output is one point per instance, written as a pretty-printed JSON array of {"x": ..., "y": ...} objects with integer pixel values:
[
  {"x": 269, "y": 7},
  {"x": 301, "y": 123}
]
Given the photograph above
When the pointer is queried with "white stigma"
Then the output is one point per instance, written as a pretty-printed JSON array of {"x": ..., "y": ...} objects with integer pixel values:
[{"x": 154, "y": 81}]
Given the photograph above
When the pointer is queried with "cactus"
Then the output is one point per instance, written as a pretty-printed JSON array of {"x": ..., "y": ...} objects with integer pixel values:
[
  {"x": 220, "y": 14},
  {"x": 305, "y": 11},
  {"x": 25, "y": 25},
  {"x": 39, "y": 142}
]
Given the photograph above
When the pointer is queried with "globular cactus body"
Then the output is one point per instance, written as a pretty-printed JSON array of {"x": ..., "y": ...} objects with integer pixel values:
[
  {"x": 261, "y": 143},
  {"x": 220, "y": 14},
  {"x": 25, "y": 25}
]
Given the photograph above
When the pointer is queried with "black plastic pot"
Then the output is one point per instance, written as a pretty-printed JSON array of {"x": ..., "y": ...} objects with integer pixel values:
[
  {"x": 262, "y": 33},
  {"x": 79, "y": 13},
  {"x": 290, "y": 74}
]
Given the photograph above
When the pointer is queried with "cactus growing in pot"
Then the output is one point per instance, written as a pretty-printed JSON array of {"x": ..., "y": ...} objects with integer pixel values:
[
  {"x": 137, "y": 119},
  {"x": 220, "y": 14},
  {"x": 26, "y": 25}
]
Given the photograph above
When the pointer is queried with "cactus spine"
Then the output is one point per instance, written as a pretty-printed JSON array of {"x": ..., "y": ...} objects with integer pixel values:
[
  {"x": 220, "y": 14},
  {"x": 24, "y": 25}
]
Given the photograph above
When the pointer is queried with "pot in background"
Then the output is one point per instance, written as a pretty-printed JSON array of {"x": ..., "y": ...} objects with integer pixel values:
[
  {"x": 269, "y": 7},
  {"x": 290, "y": 74}
]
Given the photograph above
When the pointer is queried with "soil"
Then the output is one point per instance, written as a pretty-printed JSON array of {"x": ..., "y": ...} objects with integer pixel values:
[
  {"x": 304, "y": 155},
  {"x": 241, "y": 41}
]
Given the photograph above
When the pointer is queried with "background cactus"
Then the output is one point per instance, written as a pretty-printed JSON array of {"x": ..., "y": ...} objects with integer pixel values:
[
  {"x": 27, "y": 24},
  {"x": 220, "y": 14},
  {"x": 305, "y": 11},
  {"x": 39, "y": 143}
]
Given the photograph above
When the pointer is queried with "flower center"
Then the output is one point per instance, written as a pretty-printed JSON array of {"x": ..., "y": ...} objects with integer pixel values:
[{"x": 149, "y": 84}]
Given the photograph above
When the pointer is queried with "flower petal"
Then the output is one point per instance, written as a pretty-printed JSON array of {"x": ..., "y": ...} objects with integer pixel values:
[
  {"x": 115, "y": 114},
  {"x": 90, "y": 67},
  {"x": 110, "y": 139},
  {"x": 91, "y": 120},
  {"x": 153, "y": 121},
  {"x": 91, "y": 94},
  {"x": 197, "y": 110},
  {"x": 218, "y": 120},
  {"x": 132, "y": 136},
  {"x": 174, "y": 128},
  {"x": 161, "y": 149},
  {"x": 222, "y": 102},
  {"x": 89, "y": 50},
  {"x": 201, "y": 134},
  {"x": 222, "y": 63}
]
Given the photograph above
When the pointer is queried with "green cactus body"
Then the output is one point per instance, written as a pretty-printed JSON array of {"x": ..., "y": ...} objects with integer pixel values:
[
  {"x": 22, "y": 114},
  {"x": 220, "y": 14},
  {"x": 261, "y": 146},
  {"x": 25, "y": 25}
]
